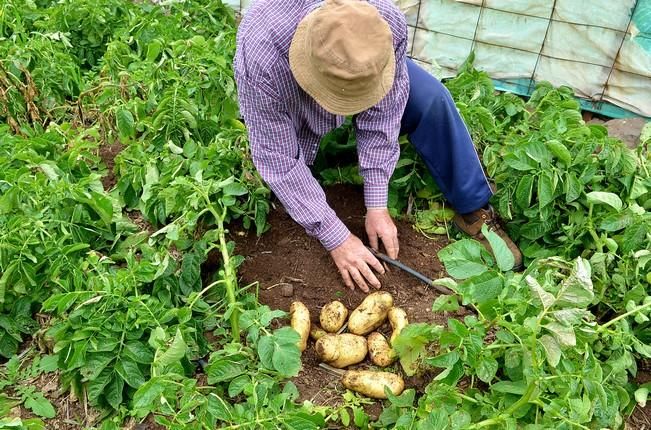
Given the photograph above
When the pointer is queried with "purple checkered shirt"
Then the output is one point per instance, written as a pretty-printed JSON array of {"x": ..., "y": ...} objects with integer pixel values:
[{"x": 285, "y": 124}]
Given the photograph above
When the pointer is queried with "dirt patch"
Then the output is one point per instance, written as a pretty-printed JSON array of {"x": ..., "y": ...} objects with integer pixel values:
[
  {"x": 71, "y": 414},
  {"x": 107, "y": 153},
  {"x": 140, "y": 221},
  {"x": 640, "y": 419},
  {"x": 627, "y": 129},
  {"x": 286, "y": 255}
]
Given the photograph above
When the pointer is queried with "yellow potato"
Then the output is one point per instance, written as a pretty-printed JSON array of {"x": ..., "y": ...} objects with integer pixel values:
[
  {"x": 300, "y": 321},
  {"x": 333, "y": 316},
  {"x": 378, "y": 348},
  {"x": 341, "y": 350},
  {"x": 317, "y": 332},
  {"x": 370, "y": 314},
  {"x": 398, "y": 320},
  {"x": 371, "y": 384}
]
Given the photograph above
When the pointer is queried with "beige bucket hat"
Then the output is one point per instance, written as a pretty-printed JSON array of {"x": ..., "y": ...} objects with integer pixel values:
[{"x": 342, "y": 56}]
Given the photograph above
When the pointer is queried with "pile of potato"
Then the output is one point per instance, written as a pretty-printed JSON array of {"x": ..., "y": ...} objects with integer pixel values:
[{"x": 340, "y": 350}]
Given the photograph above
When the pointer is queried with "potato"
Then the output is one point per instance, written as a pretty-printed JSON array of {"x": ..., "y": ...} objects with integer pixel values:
[
  {"x": 371, "y": 384},
  {"x": 300, "y": 321},
  {"x": 398, "y": 320},
  {"x": 333, "y": 316},
  {"x": 378, "y": 348},
  {"x": 341, "y": 350},
  {"x": 370, "y": 314},
  {"x": 317, "y": 332}
]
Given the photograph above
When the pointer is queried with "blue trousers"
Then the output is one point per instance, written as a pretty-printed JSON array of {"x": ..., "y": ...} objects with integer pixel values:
[{"x": 439, "y": 135}]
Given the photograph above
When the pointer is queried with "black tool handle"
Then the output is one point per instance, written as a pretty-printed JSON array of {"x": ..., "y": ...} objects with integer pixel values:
[{"x": 412, "y": 272}]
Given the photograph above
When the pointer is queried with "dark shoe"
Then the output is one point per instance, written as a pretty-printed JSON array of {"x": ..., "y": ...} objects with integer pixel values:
[{"x": 471, "y": 224}]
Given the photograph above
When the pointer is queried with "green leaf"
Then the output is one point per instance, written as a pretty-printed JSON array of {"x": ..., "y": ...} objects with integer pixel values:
[
  {"x": 303, "y": 421},
  {"x": 280, "y": 352},
  {"x": 503, "y": 255},
  {"x": 219, "y": 408},
  {"x": 234, "y": 189},
  {"x": 576, "y": 289},
  {"x": 487, "y": 368},
  {"x": 443, "y": 360},
  {"x": 113, "y": 392},
  {"x": 95, "y": 387},
  {"x": 483, "y": 288},
  {"x": 147, "y": 396},
  {"x": 642, "y": 395},
  {"x": 460, "y": 420},
  {"x": 524, "y": 191},
  {"x": 445, "y": 303},
  {"x": 571, "y": 316},
  {"x": 600, "y": 197},
  {"x": 40, "y": 405},
  {"x": 410, "y": 345},
  {"x": 139, "y": 352},
  {"x": 237, "y": 385},
  {"x": 510, "y": 387},
  {"x": 125, "y": 123},
  {"x": 404, "y": 400},
  {"x": 96, "y": 363},
  {"x": 552, "y": 350},
  {"x": 645, "y": 135},
  {"x": 573, "y": 187},
  {"x": 564, "y": 335},
  {"x": 463, "y": 259},
  {"x": 225, "y": 369},
  {"x": 51, "y": 170},
  {"x": 560, "y": 151},
  {"x": 360, "y": 418},
  {"x": 616, "y": 221},
  {"x": 450, "y": 375},
  {"x": 130, "y": 372},
  {"x": 153, "y": 50},
  {"x": 173, "y": 354},
  {"x": 634, "y": 236},
  {"x": 344, "y": 416},
  {"x": 545, "y": 298},
  {"x": 545, "y": 190},
  {"x": 48, "y": 363}
]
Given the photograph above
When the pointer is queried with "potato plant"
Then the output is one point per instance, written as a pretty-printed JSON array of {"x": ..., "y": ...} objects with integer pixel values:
[{"x": 123, "y": 310}]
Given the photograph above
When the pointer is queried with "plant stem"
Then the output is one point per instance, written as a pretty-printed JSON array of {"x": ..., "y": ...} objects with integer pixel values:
[
  {"x": 622, "y": 316},
  {"x": 502, "y": 345},
  {"x": 592, "y": 231},
  {"x": 230, "y": 280},
  {"x": 514, "y": 407}
]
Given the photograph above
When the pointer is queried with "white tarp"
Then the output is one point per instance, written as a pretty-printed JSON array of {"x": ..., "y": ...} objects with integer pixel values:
[{"x": 600, "y": 48}]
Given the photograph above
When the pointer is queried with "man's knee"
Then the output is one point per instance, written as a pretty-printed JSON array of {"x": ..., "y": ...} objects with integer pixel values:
[{"x": 427, "y": 96}]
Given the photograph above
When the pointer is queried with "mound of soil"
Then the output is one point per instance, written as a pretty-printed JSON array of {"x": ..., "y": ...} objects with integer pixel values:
[{"x": 289, "y": 266}]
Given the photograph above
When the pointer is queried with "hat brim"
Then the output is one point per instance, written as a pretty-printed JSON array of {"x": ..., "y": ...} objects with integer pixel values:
[{"x": 335, "y": 103}]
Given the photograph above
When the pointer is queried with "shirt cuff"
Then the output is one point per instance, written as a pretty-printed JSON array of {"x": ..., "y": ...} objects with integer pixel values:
[
  {"x": 332, "y": 232},
  {"x": 376, "y": 196}
]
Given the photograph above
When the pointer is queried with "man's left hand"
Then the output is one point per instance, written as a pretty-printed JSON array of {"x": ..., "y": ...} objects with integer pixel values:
[{"x": 379, "y": 225}]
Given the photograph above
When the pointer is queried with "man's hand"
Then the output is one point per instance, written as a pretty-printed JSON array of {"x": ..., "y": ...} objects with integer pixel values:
[
  {"x": 353, "y": 261},
  {"x": 379, "y": 225}
]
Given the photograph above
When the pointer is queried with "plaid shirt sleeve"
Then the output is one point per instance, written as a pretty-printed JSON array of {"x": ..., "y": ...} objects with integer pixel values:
[
  {"x": 277, "y": 156},
  {"x": 378, "y": 128}
]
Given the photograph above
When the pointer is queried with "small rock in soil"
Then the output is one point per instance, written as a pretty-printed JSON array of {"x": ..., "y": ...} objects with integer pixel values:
[{"x": 287, "y": 290}]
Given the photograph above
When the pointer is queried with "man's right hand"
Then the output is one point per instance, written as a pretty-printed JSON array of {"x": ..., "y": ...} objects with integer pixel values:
[{"x": 353, "y": 261}]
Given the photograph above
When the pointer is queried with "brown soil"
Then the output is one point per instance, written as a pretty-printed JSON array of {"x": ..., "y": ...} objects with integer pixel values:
[
  {"x": 287, "y": 256},
  {"x": 70, "y": 412},
  {"x": 107, "y": 153}
]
